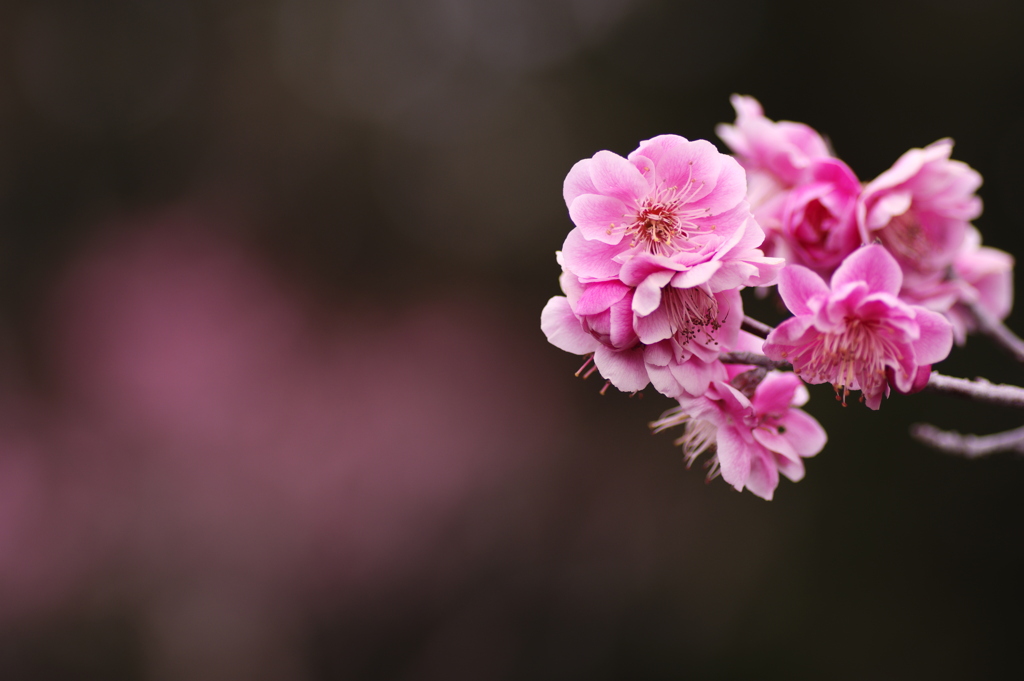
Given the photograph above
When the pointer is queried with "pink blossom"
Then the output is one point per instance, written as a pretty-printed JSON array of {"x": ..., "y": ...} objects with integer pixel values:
[
  {"x": 753, "y": 438},
  {"x": 979, "y": 275},
  {"x": 985, "y": 278},
  {"x": 920, "y": 209},
  {"x": 663, "y": 243},
  {"x": 802, "y": 197},
  {"x": 784, "y": 150},
  {"x": 817, "y": 226},
  {"x": 673, "y": 205},
  {"x": 675, "y": 346},
  {"x": 857, "y": 335},
  {"x": 669, "y": 195}
]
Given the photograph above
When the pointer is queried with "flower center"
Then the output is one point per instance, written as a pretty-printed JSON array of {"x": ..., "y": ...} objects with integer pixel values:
[
  {"x": 852, "y": 359},
  {"x": 691, "y": 311},
  {"x": 661, "y": 224}
]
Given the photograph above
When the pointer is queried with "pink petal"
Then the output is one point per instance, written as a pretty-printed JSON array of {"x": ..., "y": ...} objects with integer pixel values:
[
  {"x": 872, "y": 264},
  {"x": 936, "y": 338},
  {"x": 797, "y": 285},
  {"x": 616, "y": 177},
  {"x": 776, "y": 393},
  {"x": 884, "y": 209},
  {"x": 694, "y": 375},
  {"x": 563, "y": 329},
  {"x": 624, "y": 369},
  {"x": 653, "y": 327},
  {"x": 874, "y": 400},
  {"x": 648, "y": 294},
  {"x": 696, "y": 275},
  {"x": 599, "y": 296},
  {"x": 773, "y": 441},
  {"x": 734, "y": 456},
  {"x": 600, "y": 218},
  {"x": 578, "y": 182},
  {"x": 907, "y": 385},
  {"x": 788, "y": 338},
  {"x": 730, "y": 187},
  {"x": 690, "y": 167},
  {"x": 763, "y": 477},
  {"x": 805, "y": 434},
  {"x": 663, "y": 381},
  {"x": 590, "y": 259},
  {"x": 621, "y": 332},
  {"x": 794, "y": 470}
]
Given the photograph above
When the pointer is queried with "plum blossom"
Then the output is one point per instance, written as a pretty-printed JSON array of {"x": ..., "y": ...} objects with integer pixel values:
[
  {"x": 783, "y": 150},
  {"x": 675, "y": 346},
  {"x": 671, "y": 207},
  {"x": 980, "y": 277},
  {"x": 803, "y": 197},
  {"x": 983, "y": 277},
  {"x": 663, "y": 242},
  {"x": 753, "y": 437},
  {"x": 818, "y": 227},
  {"x": 920, "y": 209},
  {"x": 671, "y": 194},
  {"x": 856, "y": 334}
]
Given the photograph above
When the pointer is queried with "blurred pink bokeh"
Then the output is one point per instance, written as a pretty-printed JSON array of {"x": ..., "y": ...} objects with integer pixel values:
[{"x": 213, "y": 433}]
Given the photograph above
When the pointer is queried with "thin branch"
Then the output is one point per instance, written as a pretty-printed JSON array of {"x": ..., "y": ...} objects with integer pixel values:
[
  {"x": 992, "y": 327},
  {"x": 754, "y": 359},
  {"x": 755, "y": 327},
  {"x": 969, "y": 446},
  {"x": 979, "y": 389}
]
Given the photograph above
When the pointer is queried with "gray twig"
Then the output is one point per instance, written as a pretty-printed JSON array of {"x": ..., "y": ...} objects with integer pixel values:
[
  {"x": 969, "y": 446},
  {"x": 755, "y": 327},
  {"x": 978, "y": 389},
  {"x": 754, "y": 359}
]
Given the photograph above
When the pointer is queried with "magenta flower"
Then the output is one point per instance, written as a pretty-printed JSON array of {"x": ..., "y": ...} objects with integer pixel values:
[
  {"x": 753, "y": 439},
  {"x": 857, "y": 335},
  {"x": 920, "y": 209},
  {"x": 803, "y": 198},
  {"x": 817, "y": 226}
]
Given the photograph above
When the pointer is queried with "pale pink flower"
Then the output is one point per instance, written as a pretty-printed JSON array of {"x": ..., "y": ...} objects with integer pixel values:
[
  {"x": 753, "y": 438},
  {"x": 673, "y": 203},
  {"x": 663, "y": 243},
  {"x": 671, "y": 194},
  {"x": 688, "y": 302},
  {"x": 785, "y": 150},
  {"x": 920, "y": 209},
  {"x": 594, "y": 335},
  {"x": 857, "y": 335}
]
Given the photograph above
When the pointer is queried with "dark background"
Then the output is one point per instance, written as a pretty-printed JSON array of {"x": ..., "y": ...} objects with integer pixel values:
[{"x": 274, "y": 403}]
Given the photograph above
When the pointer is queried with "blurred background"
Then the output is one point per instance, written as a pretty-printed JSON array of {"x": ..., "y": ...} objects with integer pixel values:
[{"x": 274, "y": 401}]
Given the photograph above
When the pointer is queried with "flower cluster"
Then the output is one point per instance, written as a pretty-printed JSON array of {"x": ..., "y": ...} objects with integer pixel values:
[
  {"x": 816, "y": 213},
  {"x": 663, "y": 243},
  {"x": 666, "y": 238}
]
